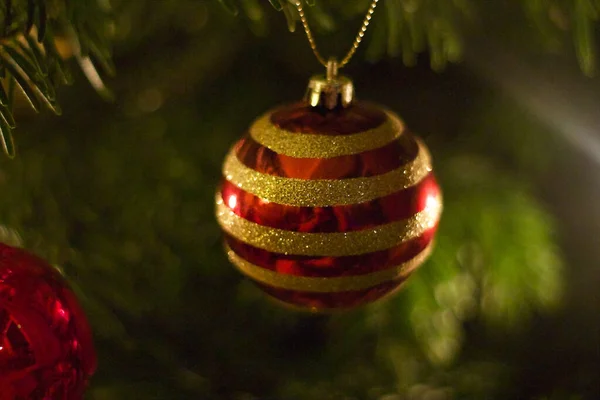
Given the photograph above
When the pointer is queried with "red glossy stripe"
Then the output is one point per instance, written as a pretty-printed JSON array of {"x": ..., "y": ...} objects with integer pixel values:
[
  {"x": 344, "y": 218},
  {"x": 369, "y": 163},
  {"x": 334, "y": 299},
  {"x": 309, "y": 266},
  {"x": 302, "y": 118}
]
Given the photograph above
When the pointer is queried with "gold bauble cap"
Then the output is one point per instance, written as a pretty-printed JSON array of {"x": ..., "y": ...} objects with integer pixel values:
[{"x": 330, "y": 91}]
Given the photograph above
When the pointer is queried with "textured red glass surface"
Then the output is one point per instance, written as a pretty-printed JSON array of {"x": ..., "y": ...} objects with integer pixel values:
[
  {"x": 46, "y": 347},
  {"x": 368, "y": 163},
  {"x": 337, "y": 300},
  {"x": 346, "y": 218},
  {"x": 328, "y": 267},
  {"x": 302, "y": 118},
  {"x": 395, "y": 207}
]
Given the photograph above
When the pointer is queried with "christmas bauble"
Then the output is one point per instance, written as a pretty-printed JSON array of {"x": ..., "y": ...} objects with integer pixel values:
[
  {"x": 46, "y": 348},
  {"x": 328, "y": 203}
]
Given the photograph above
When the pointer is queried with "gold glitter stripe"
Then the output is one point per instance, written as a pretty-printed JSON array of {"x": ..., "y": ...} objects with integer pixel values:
[
  {"x": 328, "y": 244},
  {"x": 326, "y": 192},
  {"x": 324, "y": 146},
  {"x": 326, "y": 285}
]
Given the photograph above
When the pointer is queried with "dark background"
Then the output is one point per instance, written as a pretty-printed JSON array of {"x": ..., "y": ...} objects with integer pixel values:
[{"x": 121, "y": 196}]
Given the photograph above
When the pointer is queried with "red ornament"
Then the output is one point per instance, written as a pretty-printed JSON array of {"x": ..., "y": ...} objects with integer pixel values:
[
  {"x": 46, "y": 347},
  {"x": 328, "y": 208}
]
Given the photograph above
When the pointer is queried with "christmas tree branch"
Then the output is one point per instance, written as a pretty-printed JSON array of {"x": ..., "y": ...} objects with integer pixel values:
[
  {"x": 35, "y": 37},
  {"x": 440, "y": 26}
]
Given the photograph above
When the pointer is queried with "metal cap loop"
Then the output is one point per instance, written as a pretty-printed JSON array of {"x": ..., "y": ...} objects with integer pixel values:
[
  {"x": 332, "y": 69},
  {"x": 331, "y": 91}
]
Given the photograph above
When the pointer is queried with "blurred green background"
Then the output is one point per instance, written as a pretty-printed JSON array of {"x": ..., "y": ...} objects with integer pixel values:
[{"x": 120, "y": 196}]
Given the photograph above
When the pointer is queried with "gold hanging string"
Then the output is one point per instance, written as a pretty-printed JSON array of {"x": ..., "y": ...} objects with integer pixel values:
[{"x": 355, "y": 44}]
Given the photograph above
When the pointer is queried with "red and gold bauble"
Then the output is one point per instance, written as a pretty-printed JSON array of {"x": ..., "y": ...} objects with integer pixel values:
[
  {"x": 328, "y": 203},
  {"x": 46, "y": 348}
]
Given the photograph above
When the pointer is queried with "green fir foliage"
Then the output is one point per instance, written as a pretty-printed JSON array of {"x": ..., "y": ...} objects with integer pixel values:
[
  {"x": 441, "y": 27},
  {"x": 30, "y": 60}
]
